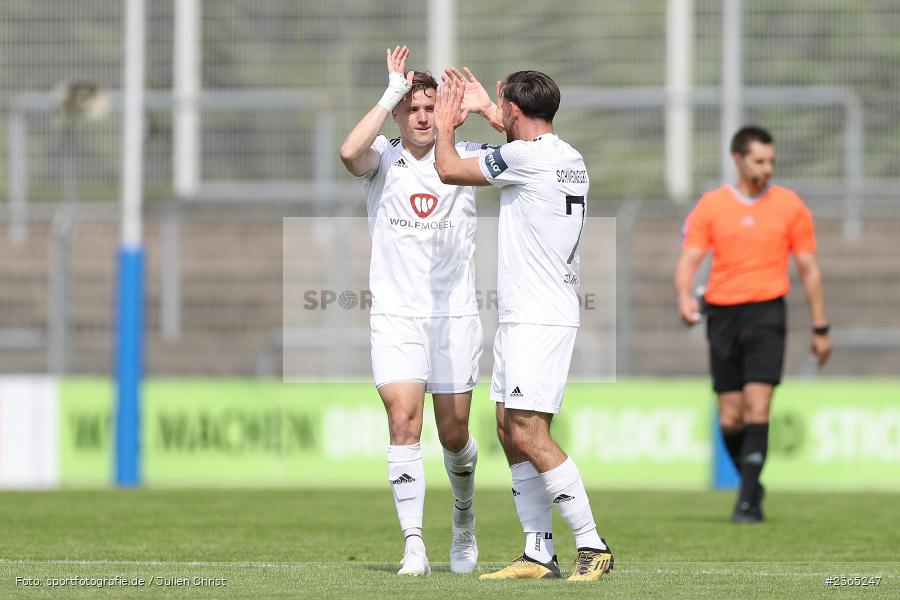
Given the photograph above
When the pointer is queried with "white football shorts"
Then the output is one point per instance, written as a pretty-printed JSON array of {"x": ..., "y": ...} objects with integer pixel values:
[
  {"x": 441, "y": 352},
  {"x": 531, "y": 365}
]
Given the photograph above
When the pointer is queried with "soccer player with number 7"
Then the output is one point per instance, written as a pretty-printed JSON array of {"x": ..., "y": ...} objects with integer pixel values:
[
  {"x": 543, "y": 202},
  {"x": 426, "y": 332}
]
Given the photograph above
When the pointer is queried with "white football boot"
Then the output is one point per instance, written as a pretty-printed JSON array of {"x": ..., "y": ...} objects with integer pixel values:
[
  {"x": 463, "y": 550},
  {"x": 415, "y": 561}
]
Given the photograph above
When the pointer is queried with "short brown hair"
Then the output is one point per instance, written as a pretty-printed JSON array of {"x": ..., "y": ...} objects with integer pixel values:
[
  {"x": 740, "y": 143},
  {"x": 422, "y": 80},
  {"x": 535, "y": 93}
]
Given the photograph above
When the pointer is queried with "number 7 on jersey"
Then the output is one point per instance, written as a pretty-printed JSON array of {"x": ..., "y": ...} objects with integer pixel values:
[{"x": 570, "y": 200}]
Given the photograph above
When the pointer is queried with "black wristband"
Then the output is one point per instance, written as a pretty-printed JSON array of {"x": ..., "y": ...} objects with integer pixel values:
[{"x": 823, "y": 330}]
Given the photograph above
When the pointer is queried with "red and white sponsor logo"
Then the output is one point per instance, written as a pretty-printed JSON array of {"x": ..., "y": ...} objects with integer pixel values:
[{"x": 423, "y": 204}]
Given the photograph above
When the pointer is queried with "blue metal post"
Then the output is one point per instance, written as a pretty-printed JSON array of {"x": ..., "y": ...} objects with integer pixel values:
[
  {"x": 725, "y": 476},
  {"x": 129, "y": 364}
]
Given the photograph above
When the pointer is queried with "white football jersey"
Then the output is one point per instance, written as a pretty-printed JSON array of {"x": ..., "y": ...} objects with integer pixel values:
[
  {"x": 423, "y": 235},
  {"x": 543, "y": 206}
]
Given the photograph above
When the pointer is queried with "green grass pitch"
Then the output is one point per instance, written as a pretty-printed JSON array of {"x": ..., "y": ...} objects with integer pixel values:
[{"x": 294, "y": 543}]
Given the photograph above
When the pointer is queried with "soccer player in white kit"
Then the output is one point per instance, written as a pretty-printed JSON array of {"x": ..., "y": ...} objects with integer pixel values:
[
  {"x": 544, "y": 187},
  {"x": 426, "y": 332}
]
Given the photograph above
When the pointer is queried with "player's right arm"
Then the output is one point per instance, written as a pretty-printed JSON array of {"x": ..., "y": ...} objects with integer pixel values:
[
  {"x": 357, "y": 153},
  {"x": 688, "y": 306},
  {"x": 694, "y": 247}
]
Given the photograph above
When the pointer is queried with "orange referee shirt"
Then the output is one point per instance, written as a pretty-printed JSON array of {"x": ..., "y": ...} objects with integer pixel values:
[{"x": 751, "y": 241}]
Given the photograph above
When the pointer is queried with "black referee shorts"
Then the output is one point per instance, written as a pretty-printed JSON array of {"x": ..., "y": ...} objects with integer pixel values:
[{"x": 746, "y": 343}]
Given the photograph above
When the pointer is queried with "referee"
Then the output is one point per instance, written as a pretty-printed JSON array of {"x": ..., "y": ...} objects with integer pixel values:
[{"x": 751, "y": 228}]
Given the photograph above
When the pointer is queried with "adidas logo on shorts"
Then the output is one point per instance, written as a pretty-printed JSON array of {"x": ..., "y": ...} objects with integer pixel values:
[
  {"x": 516, "y": 393},
  {"x": 405, "y": 478}
]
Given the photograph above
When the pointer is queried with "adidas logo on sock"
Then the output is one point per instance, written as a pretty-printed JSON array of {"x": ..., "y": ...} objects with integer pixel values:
[
  {"x": 516, "y": 393},
  {"x": 401, "y": 163},
  {"x": 405, "y": 478},
  {"x": 562, "y": 498},
  {"x": 462, "y": 473},
  {"x": 755, "y": 458},
  {"x": 515, "y": 493}
]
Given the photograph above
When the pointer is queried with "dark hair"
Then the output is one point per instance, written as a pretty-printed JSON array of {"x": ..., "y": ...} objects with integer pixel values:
[
  {"x": 740, "y": 143},
  {"x": 535, "y": 93},
  {"x": 422, "y": 80}
]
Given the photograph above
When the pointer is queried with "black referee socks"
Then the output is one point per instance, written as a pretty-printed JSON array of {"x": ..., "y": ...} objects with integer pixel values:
[
  {"x": 753, "y": 456},
  {"x": 734, "y": 442}
]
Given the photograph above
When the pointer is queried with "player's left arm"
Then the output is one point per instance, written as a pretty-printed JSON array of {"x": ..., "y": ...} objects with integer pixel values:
[
  {"x": 448, "y": 115},
  {"x": 802, "y": 239},
  {"x": 811, "y": 276}
]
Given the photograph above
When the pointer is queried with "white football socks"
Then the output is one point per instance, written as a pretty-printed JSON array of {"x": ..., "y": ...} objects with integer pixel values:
[
  {"x": 535, "y": 511},
  {"x": 565, "y": 488},
  {"x": 461, "y": 472},
  {"x": 406, "y": 472},
  {"x": 413, "y": 541}
]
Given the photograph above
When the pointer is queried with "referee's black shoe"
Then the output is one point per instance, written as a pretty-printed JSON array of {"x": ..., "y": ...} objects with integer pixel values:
[
  {"x": 746, "y": 513},
  {"x": 758, "y": 498}
]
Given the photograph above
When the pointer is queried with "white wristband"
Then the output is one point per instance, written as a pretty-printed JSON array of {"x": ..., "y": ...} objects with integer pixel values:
[{"x": 396, "y": 89}]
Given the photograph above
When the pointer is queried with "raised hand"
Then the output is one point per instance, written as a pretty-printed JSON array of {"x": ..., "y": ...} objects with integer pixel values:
[
  {"x": 398, "y": 84},
  {"x": 396, "y": 63},
  {"x": 449, "y": 111},
  {"x": 476, "y": 98}
]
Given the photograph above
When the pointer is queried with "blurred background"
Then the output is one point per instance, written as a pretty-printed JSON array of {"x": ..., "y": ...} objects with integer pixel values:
[{"x": 248, "y": 101}]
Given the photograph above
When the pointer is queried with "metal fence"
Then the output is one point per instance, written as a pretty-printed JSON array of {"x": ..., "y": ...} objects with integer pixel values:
[
  {"x": 335, "y": 50},
  {"x": 278, "y": 83}
]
